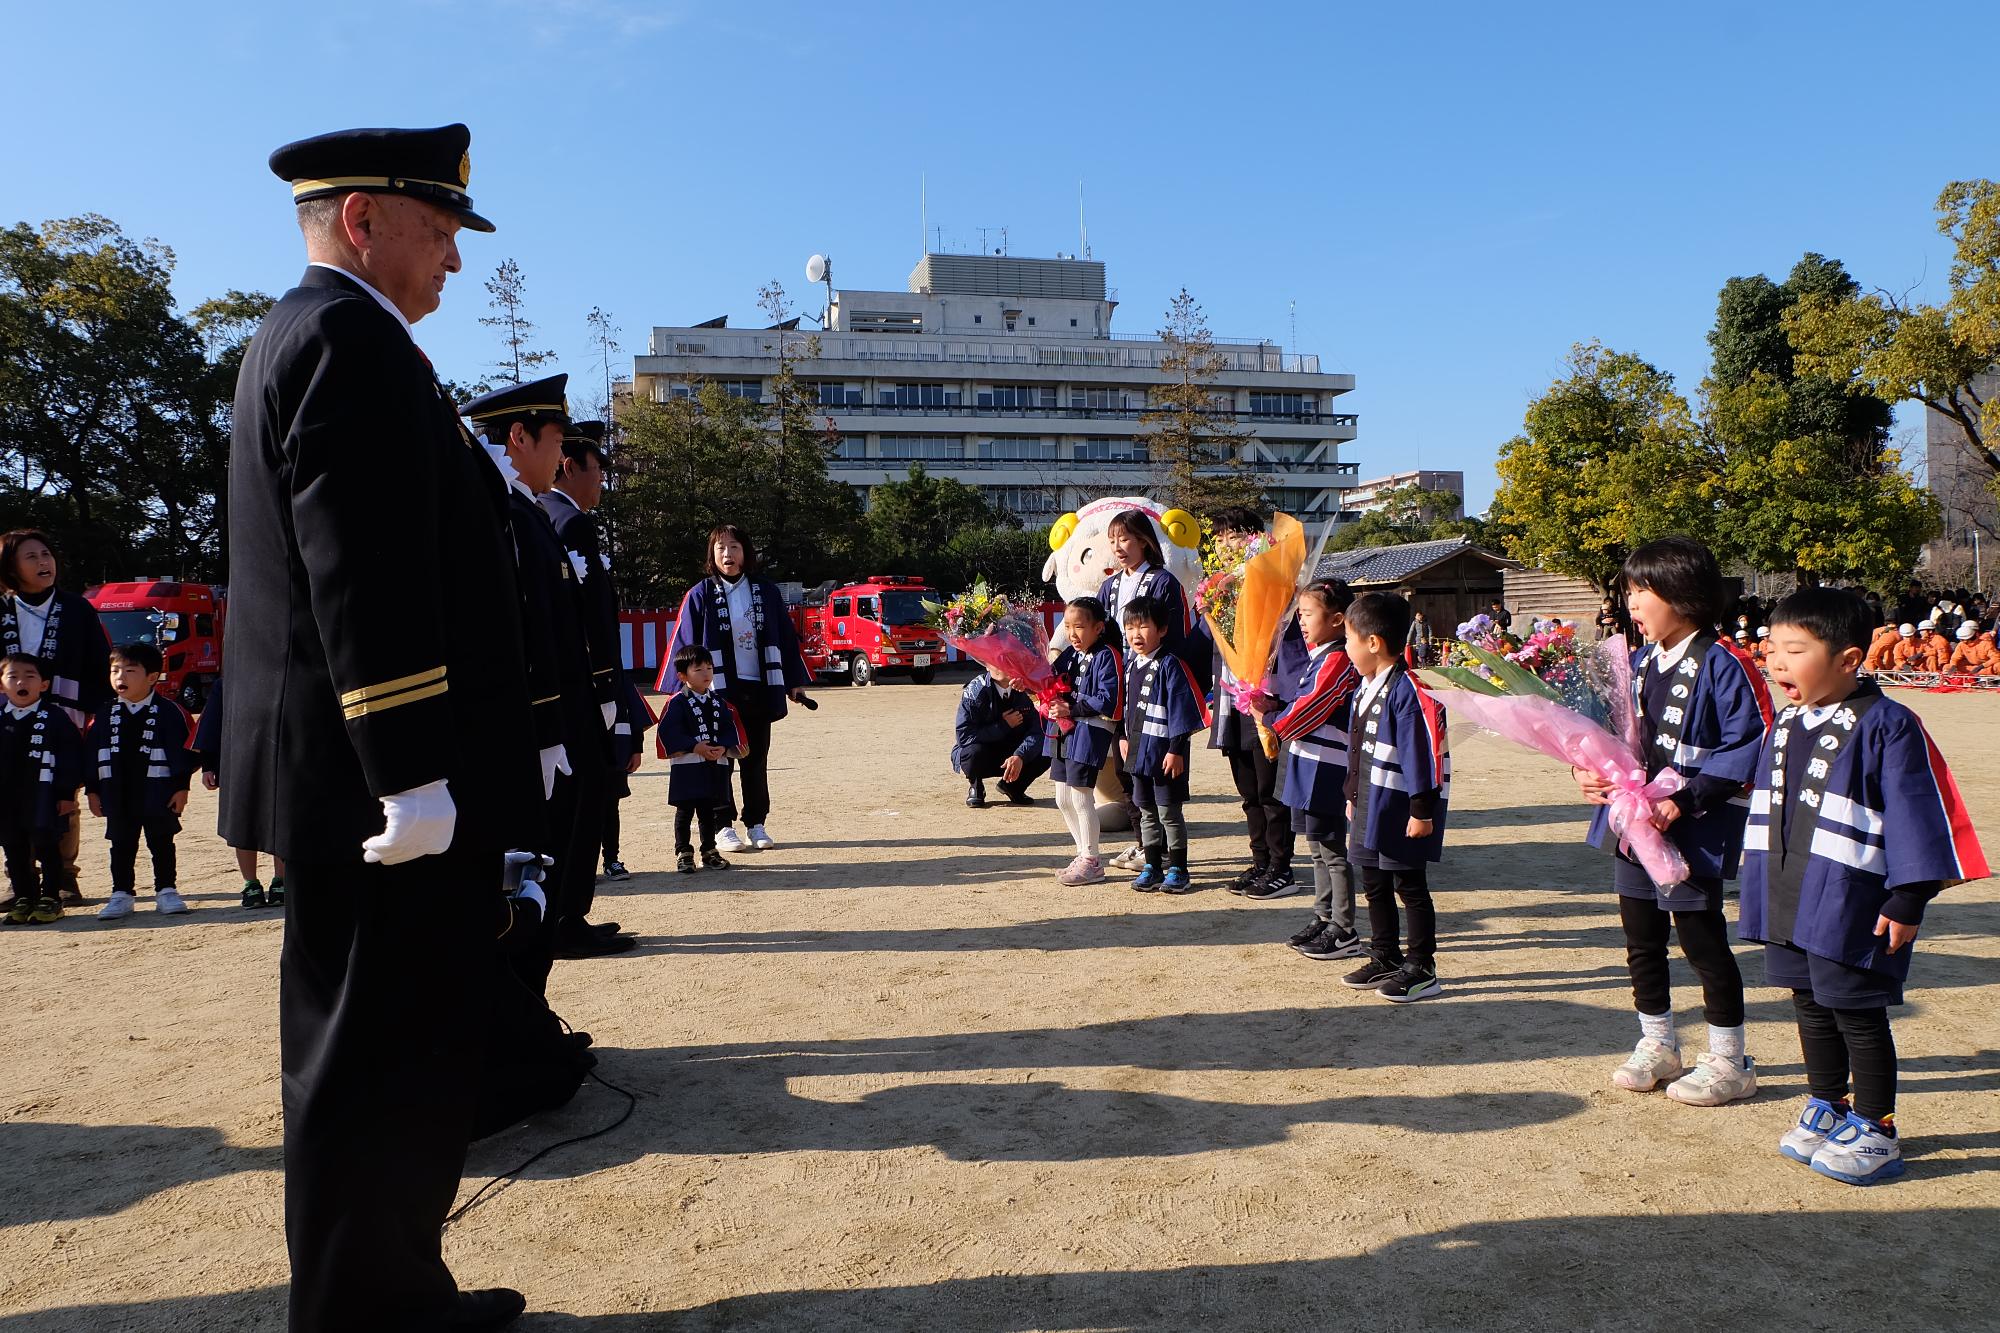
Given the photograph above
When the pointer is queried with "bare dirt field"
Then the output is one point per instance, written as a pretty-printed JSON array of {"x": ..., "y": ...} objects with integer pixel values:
[{"x": 891, "y": 1075}]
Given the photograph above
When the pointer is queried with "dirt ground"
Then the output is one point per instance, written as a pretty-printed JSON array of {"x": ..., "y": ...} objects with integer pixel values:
[{"x": 891, "y": 1075}]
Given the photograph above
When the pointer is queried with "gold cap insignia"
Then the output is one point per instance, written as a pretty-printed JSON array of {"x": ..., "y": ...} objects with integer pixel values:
[{"x": 465, "y": 169}]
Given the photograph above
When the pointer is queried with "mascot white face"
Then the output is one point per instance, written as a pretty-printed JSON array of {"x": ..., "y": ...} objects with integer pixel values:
[{"x": 1080, "y": 547}]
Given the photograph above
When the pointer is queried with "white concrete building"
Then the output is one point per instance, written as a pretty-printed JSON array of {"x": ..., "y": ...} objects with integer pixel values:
[
  {"x": 1003, "y": 373},
  {"x": 1366, "y": 496}
]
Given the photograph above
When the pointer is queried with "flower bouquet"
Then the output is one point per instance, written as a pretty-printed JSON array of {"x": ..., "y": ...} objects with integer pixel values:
[
  {"x": 1005, "y": 637},
  {"x": 1575, "y": 705},
  {"x": 1245, "y": 601}
]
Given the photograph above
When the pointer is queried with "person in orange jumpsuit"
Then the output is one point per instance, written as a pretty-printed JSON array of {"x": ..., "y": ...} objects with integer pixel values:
[
  {"x": 1975, "y": 654},
  {"x": 1908, "y": 654},
  {"x": 1881, "y": 649},
  {"x": 1936, "y": 648}
]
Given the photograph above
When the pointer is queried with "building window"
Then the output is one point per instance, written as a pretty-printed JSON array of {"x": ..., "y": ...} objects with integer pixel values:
[
  {"x": 1018, "y": 396},
  {"x": 1107, "y": 400},
  {"x": 1072, "y": 323},
  {"x": 916, "y": 395},
  {"x": 1031, "y": 321},
  {"x": 750, "y": 389},
  {"x": 923, "y": 447},
  {"x": 1018, "y": 449},
  {"x": 851, "y": 446},
  {"x": 1282, "y": 404},
  {"x": 832, "y": 393},
  {"x": 871, "y": 321},
  {"x": 1023, "y": 500},
  {"x": 979, "y": 319},
  {"x": 1111, "y": 449}
]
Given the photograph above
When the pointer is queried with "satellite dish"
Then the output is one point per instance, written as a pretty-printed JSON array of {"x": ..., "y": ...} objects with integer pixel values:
[{"x": 816, "y": 269}]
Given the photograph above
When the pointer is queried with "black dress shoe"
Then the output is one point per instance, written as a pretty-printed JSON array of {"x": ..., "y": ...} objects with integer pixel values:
[
  {"x": 1015, "y": 796},
  {"x": 495, "y": 1307},
  {"x": 975, "y": 796},
  {"x": 605, "y": 927},
  {"x": 589, "y": 944}
]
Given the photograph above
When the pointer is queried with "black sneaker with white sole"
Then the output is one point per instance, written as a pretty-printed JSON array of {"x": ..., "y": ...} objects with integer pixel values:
[
  {"x": 1371, "y": 974},
  {"x": 1274, "y": 884},
  {"x": 1307, "y": 934},
  {"x": 1332, "y": 944},
  {"x": 1245, "y": 880},
  {"x": 1413, "y": 981}
]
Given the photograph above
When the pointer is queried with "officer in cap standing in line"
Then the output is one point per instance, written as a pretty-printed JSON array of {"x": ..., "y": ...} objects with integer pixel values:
[{"x": 378, "y": 725}]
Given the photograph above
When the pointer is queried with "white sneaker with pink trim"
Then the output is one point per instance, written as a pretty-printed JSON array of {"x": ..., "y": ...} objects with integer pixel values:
[{"x": 1083, "y": 870}]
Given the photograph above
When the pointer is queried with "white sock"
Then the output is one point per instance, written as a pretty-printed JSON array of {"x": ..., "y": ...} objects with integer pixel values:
[
  {"x": 1727, "y": 1042},
  {"x": 1066, "y": 802},
  {"x": 1660, "y": 1027}
]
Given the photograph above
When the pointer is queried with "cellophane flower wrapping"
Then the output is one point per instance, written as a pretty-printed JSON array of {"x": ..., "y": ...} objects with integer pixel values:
[
  {"x": 1245, "y": 601},
  {"x": 1004, "y": 636}
]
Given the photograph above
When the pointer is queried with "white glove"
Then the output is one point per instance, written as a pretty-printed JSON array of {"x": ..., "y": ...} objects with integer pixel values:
[
  {"x": 555, "y": 760},
  {"x": 610, "y": 711},
  {"x": 421, "y": 822},
  {"x": 578, "y": 566}
]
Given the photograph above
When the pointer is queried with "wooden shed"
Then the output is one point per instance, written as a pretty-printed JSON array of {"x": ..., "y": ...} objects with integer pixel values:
[
  {"x": 1449, "y": 581},
  {"x": 1538, "y": 594}
]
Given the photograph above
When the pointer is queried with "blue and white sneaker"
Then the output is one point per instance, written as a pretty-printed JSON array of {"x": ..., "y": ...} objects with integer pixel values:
[
  {"x": 1149, "y": 879},
  {"x": 1819, "y": 1119},
  {"x": 1859, "y": 1152},
  {"x": 1176, "y": 881}
]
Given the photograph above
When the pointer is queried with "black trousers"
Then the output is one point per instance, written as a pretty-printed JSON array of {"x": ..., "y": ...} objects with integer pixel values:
[
  {"x": 1704, "y": 937},
  {"x": 609, "y": 837},
  {"x": 384, "y": 1001},
  {"x": 36, "y": 867},
  {"x": 753, "y": 706},
  {"x": 577, "y": 826},
  {"x": 1844, "y": 1044},
  {"x": 979, "y": 762},
  {"x": 159, "y": 832},
  {"x": 1385, "y": 928},
  {"x": 685, "y": 819},
  {"x": 1270, "y": 819}
]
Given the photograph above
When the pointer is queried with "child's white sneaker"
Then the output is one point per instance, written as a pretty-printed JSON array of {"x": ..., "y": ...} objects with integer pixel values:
[
  {"x": 729, "y": 840},
  {"x": 1858, "y": 1152},
  {"x": 1819, "y": 1119},
  {"x": 1131, "y": 858},
  {"x": 761, "y": 840},
  {"x": 168, "y": 902},
  {"x": 1715, "y": 1080},
  {"x": 1083, "y": 870},
  {"x": 1651, "y": 1063},
  {"x": 117, "y": 907}
]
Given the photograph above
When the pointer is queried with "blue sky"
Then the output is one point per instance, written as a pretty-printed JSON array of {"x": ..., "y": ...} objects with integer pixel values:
[{"x": 1451, "y": 193}]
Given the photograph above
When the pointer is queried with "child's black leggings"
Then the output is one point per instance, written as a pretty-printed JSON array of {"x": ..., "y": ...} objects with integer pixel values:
[
  {"x": 1844, "y": 1043},
  {"x": 685, "y": 818},
  {"x": 1704, "y": 937}
]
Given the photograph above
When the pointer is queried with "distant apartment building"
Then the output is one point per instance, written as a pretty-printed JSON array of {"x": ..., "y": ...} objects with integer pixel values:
[
  {"x": 1372, "y": 495},
  {"x": 1962, "y": 482},
  {"x": 1003, "y": 373}
]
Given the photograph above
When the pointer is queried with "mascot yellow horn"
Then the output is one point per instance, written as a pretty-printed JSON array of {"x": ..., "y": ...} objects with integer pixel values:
[
  {"x": 1182, "y": 528},
  {"x": 1059, "y": 534}
]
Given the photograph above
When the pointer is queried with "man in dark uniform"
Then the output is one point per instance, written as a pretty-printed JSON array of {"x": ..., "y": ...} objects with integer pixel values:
[
  {"x": 578, "y": 486},
  {"x": 527, "y": 422},
  {"x": 378, "y": 715}
]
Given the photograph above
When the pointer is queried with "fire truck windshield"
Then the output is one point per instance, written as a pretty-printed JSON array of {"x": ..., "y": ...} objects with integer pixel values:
[
  {"x": 902, "y": 607},
  {"x": 137, "y": 627}
]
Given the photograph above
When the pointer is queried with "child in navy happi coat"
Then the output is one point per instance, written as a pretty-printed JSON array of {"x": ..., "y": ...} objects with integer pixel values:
[
  {"x": 1163, "y": 708},
  {"x": 699, "y": 734},
  {"x": 1703, "y": 709},
  {"x": 1094, "y": 671},
  {"x": 997, "y": 734},
  {"x": 41, "y": 764},
  {"x": 1398, "y": 790},
  {"x": 142, "y": 760},
  {"x": 1313, "y": 730},
  {"x": 1854, "y": 826}
]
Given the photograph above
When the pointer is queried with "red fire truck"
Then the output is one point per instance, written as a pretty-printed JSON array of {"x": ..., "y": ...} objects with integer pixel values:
[
  {"x": 874, "y": 626},
  {"x": 183, "y": 620}
]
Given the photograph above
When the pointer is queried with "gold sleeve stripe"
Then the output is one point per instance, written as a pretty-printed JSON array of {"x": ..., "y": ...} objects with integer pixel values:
[
  {"x": 367, "y": 692},
  {"x": 605, "y": 672},
  {"x": 362, "y": 709},
  {"x": 551, "y": 699}
]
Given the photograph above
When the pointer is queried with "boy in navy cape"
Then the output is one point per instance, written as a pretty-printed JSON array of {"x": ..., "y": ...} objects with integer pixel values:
[
  {"x": 996, "y": 726},
  {"x": 41, "y": 764},
  {"x": 1855, "y": 825},
  {"x": 1094, "y": 670},
  {"x": 142, "y": 760},
  {"x": 1398, "y": 789},
  {"x": 1163, "y": 708},
  {"x": 700, "y": 733},
  {"x": 1703, "y": 708}
]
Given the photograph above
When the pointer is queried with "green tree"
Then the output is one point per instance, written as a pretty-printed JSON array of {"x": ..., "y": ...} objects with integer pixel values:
[
  {"x": 1190, "y": 431},
  {"x": 911, "y": 521},
  {"x": 1008, "y": 558},
  {"x": 822, "y": 530},
  {"x": 1609, "y": 458},
  {"x": 507, "y": 292},
  {"x": 114, "y": 408},
  {"x": 1407, "y": 514},
  {"x": 1905, "y": 351},
  {"x": 1812, "y": 486}
]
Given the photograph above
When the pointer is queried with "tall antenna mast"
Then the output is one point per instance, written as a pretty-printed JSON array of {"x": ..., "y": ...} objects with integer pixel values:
[
  {"x": 1295, "y": 326},
  {"x": 1082, "y": 231},
  {"x": 923, "y": 213}
]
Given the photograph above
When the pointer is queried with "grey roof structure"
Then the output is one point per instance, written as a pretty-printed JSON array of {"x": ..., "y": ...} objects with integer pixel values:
[{"x": 1379, "y": 566}]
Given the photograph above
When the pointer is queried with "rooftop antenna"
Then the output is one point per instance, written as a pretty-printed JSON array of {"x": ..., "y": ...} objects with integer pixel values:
[
  {"x": 820, "y": 269},
  {"x": 923, "y": 212},
  {"x": 1082, "y": 231},
  {"x": 1295, "y": 326}
]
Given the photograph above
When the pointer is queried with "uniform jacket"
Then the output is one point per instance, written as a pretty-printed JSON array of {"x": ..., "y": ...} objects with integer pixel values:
[
  {"x": 1161, "y": 716},
  {"x": 777, "y": 643},
  {"x": 980, "y": 722},
  {"x": 1096, "y": 703},
  {"x": 1974, "y": 657},
  {"x": 1891, "y": 817},
  {"x": 164, "y": 770},
  {"x": 1908, "y": 655},
  {"x": 41, "y": 765},
  {"x": 374, "y": 632},
  {"x": 1728, "y": 711},
  {"x": 561, "y": 696},
  {"x": 79, "y": 659},
  {"x": 599, "y": 600},
  {"x": 1882, "y": 650},
  {"x": 1406, "y": 761},
  {"x": 208, "y": 731},
  {"x": 692, "y": 780},
  {"x": 1314, "y": 729}
]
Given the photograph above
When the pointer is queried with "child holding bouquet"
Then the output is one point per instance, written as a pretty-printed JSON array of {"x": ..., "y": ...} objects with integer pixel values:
[
  {"x": 1855, "y": 825},
  {"x": 1702, "y": 711},
  {"x": 1163, "y": 708},
  {"x": 1314, "y": 731},
  {"x": 1090, "y": 700}
]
